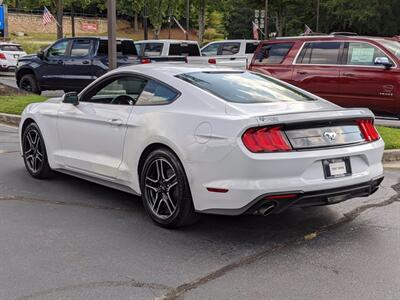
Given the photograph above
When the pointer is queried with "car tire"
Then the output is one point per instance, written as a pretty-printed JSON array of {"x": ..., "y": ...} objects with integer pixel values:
[
  {"x": 165, "y": 190},
  {"x": 34, "y": 152},
  {"x": 29, "y": 84}
]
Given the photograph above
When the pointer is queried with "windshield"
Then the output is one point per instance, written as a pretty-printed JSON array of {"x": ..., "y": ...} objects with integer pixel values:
[
  {"x": 392, "y": 46},
  {"x": 244, "y": 87}
]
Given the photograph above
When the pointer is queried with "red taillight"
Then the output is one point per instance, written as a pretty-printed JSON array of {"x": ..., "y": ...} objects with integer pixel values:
[
  {"x": 368, "y": 130},
  {"x": 266, "y": 139},
  {"x": 2, "y": 56},
  {"x": 212, "y": 61},
  {"x": 145, "y": 60}
]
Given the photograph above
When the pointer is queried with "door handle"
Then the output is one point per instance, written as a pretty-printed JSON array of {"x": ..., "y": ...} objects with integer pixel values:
[
  {"x": 349, "y": 74},
  {"x": 60, "y": 62},
  {"x": 115, "y": 122},
  {"x": 233, "y": 58},
  {"x": 86, "y": 62},
  {"x": 302, "y": 72}
]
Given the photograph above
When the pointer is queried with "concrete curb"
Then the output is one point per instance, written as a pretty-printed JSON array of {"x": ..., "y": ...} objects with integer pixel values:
[
  {"x": 8, "y": 119},
  {"x": 391, "y": 155},
  {"x": 13, "y": 120}
]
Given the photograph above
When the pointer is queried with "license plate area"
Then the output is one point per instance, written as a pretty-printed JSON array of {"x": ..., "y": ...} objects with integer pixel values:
[{"x": 336, "y": 167}]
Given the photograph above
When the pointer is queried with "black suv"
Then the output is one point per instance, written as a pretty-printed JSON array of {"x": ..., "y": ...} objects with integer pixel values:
[{"x": 70, "y": 64}]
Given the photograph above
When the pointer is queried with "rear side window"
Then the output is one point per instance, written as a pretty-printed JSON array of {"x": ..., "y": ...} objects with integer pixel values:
[
  {"x": 271, "y": 54},
  {"x": 10, "y": 48},
  {"x": 123, "y": 48},
  {"x": 323, "y": 53},
  {"x": 156, "y": 93},
  {"x": 152, "y": 49},
  {"x": 184, "y": 49},
  {"x": 363, "y": 54},
  {"x": 80, "y": 48},
  {"x": 230, "y": 49},
  {"x": 251, "y": 47}
]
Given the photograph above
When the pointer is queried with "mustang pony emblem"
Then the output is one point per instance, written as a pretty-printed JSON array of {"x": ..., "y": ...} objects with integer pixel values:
[{"x": 330, "y": 135}]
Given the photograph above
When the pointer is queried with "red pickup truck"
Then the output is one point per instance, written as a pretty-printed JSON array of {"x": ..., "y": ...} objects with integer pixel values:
[{"x": 351, "y": 71}]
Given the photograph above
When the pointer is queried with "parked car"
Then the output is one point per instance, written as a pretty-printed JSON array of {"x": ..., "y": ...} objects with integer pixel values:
[
  {"x": 149, "y": 48},
  {"x": 190, "y": 50},
  {"x": 70, "y": 64},
  {"x": 9, "y": 55},
  {"x": 232, "y": 49},
  {"x": 200, "y": 139},
  {"x": 352, "y": 71}
]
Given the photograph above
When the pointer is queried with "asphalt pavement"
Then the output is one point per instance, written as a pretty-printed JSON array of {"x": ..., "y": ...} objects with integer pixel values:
[{"x": 67, "y": 238}]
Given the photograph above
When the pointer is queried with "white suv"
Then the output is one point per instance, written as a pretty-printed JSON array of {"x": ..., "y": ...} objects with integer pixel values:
[{"x": 9, "y": 55}]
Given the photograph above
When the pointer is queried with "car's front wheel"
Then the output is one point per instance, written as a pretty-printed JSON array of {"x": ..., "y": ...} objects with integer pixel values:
[
  {"x": 34, "y": 152},
  {"x": 165, "y": 190},
  {"x": 29, "y": 84}
]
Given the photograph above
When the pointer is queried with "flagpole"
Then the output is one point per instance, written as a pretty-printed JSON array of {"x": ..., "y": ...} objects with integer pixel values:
[{"x": 317, "y": 16}]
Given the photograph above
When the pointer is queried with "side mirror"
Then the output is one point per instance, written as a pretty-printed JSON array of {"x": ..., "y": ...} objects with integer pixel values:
[
  {"x": 40, "y": 54},
  {"x": 71, "y": 98},
  {"x": 383, "y": 61}
]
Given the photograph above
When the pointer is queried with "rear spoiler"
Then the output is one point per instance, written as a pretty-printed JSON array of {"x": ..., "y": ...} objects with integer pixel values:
[{"x": 325, "y": 115}]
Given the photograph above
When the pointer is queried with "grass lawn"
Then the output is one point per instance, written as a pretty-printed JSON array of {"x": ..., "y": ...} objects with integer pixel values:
[
  {"x": 16, "y": 104},
  {"x": 391, "y": 136}
]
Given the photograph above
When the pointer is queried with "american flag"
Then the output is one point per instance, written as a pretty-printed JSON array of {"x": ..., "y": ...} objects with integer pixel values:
[{"x": 47, "y": 17}]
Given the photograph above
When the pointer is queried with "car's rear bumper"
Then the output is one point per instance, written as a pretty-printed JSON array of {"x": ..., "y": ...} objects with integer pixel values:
[
  {"x": 313, "y": 198},
  {"x": 7, "y": 68},
  {"x": 246, "y": 178}
]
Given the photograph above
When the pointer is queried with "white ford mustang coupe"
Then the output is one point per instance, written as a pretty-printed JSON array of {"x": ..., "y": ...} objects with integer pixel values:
[{"x": 195, "y": 140}]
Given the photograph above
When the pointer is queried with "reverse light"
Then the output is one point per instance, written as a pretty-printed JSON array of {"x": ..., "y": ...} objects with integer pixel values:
[
  {"x": 368, "y": 130},
  {"x": 266, "y": 139}
]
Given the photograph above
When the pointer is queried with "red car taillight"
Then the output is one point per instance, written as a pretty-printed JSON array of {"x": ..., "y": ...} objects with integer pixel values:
[
  {"x": 2, "y": 56},
  {"x": 266, "y": 139},
  {"x": 145, "y": 60},
  {"x": 368, "y": 130}
]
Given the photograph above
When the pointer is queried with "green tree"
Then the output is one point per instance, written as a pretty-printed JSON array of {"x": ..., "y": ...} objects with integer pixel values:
[
  {"x": 239, "y": 23},
  {"x": 157, "y": 12}
]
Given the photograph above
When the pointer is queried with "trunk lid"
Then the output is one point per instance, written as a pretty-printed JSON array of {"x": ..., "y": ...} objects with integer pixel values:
[{"x": 308, "y": 125}]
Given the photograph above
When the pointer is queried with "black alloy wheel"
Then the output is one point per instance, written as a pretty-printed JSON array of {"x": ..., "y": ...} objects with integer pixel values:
[{"x": 165, "y": 190}]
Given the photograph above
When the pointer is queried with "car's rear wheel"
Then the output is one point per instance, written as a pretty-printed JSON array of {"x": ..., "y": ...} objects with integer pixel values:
[
  {"x": 165, "y": 190},
  {"x": 28, "y": 83},
  {"x": 34, "y": 152}
]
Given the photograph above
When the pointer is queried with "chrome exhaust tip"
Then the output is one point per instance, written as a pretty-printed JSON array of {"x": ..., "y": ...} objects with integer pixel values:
[{"x": 266, "y": 209}]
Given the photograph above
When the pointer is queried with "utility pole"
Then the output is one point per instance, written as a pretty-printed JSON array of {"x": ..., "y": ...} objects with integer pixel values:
[
  {"x": 112, "y": 34},
  {"x": 187, "y": 18},
  {"x": 145, "y": 16},
  {"x": 266, "y": 20},
  {"x": 317, "y": 29},
  {"x": 5, "y": 30},
  {"x": 72, "y": 20},
  {"x": 60, "y": 17}
]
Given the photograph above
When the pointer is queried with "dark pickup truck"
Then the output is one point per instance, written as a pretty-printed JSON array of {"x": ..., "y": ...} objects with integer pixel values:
[{"x": 70, "y": 64}]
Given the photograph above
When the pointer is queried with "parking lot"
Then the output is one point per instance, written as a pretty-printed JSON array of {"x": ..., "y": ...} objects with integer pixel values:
[{"x": 66, "y": 238}]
